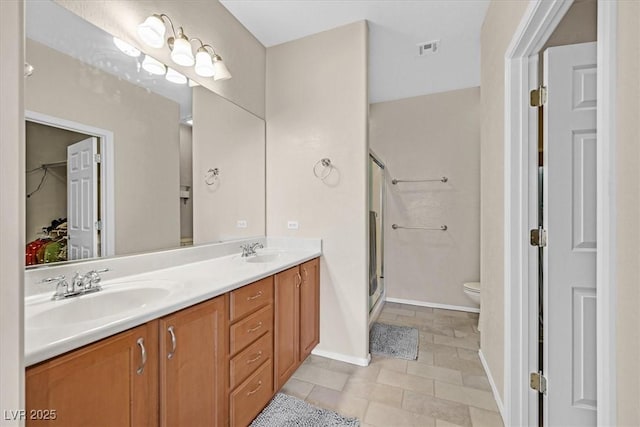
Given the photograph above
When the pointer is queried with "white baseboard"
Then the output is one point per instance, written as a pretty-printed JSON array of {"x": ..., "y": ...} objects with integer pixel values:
[
  {"x": 360, "y": 361},
  {"x": 496, "y": 394},
  {"x": 434, "y": 305}
]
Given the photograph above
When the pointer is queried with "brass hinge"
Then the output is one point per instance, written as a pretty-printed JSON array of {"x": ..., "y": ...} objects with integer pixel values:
[
  {"x": 538, "y": 382},
  {"x": 538, "y": 237},
  {"x": 538, "y": 97},
  {"x": 97, "y": 158}
]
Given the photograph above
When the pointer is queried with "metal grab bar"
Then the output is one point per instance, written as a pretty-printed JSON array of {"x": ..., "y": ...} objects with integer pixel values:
[
  {"x": 442, "y": 228},
  {"x": 443, "y": 179}
]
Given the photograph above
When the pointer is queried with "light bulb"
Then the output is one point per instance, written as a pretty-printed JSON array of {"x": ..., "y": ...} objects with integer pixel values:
[
  {"x": 153, "y": 66},
  {"x": 220, "y": 70},
  {"x": 204, "y": 64},
  {"x": 126, "y": 48},
  {"x": 152, "y": 30},
  {"x": 181, "y": 53},
  {"x": 175, "y": 77}
]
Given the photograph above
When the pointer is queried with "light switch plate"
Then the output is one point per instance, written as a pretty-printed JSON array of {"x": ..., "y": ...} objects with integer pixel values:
[
  {"x": 241, "y": 223},
  {"x": 292, "y": 225}
]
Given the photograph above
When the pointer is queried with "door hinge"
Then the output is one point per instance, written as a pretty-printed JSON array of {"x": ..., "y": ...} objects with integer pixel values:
[
  {"x": 538, "y": 382},
  {"x": 97, "y": 158},
  {"x": 538, "y": 97},
  {"x": 538, "y": 237},
  {"x": 98, "y": 225}
]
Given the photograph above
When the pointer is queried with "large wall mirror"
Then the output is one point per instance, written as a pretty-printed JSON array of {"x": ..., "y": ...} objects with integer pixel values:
[{"x": 120, "y": 160}]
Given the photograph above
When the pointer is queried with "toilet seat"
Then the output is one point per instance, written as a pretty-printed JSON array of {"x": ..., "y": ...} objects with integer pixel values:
[{"x": 472, "y": 287}]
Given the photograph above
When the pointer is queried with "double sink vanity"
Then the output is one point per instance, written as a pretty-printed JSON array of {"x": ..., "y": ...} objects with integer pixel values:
[{"x": 206, "y": 341}]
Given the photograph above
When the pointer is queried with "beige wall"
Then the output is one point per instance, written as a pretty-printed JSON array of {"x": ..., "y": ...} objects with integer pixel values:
[
  {"x": 429, "y": 137},
  {"x": 204, "y": 19},
  {"x": 499, "y": 26},
  {"x": 233, "y": 140},
  {"x": 628, "y": 213},
  {"x": 146, "y": 142},
  {"x": 316, "y": 108},
  {"x": 11, "y": 207},
  {"x": 46, "y": 144}
]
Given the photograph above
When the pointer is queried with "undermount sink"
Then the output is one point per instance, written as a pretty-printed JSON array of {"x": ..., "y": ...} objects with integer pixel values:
[
  {"x": 98, "y": 305},
  {"x": 261, "y": 258}
]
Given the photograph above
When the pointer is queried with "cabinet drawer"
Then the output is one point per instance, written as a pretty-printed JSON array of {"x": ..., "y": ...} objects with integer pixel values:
[
  {"x": 246, "y": 402},
  {"x": 248, "y": 330},
  {"x": 250, "y": 297},
  {"x": 245, "y": 363}
]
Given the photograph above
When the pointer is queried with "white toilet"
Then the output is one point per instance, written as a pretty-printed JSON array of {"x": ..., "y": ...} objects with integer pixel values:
[{"x": 472, "y": 289}]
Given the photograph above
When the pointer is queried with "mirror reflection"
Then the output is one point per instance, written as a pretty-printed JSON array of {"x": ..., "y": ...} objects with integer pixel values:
[{"x": 115, "y": 162}]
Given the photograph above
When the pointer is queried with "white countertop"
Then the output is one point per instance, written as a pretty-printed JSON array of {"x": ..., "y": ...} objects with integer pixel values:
[{"x": 187, "y": 285}]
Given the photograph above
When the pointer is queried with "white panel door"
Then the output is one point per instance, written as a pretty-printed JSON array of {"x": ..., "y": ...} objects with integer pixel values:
[
  {"x": 82, "y": 199},
  {"x": 570, "y": 220}
]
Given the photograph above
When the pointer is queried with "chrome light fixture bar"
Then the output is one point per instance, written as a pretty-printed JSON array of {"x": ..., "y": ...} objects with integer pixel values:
[{"x": 207, "y": 63}]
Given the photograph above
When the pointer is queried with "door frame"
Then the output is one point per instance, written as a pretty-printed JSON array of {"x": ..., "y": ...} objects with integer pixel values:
[
  {"x": 107, "y": 173},
  {"x": 520, "y": 204}
]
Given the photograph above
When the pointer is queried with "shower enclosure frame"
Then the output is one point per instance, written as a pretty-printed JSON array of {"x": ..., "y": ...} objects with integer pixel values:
[{"x": 374, "y": 160}]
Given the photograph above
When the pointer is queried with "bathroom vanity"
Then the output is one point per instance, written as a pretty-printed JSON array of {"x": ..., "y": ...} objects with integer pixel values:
[{"x": 216, "y": 360}]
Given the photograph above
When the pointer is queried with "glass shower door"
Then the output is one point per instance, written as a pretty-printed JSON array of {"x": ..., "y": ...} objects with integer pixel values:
[{"x": 376, "y": 229}]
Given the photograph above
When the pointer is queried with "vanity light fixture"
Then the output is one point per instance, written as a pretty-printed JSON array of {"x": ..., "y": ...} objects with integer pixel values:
[
  {"x": 153, "y": 66},
  {"x": 175, "y": 77},
  {"x": 181, "y": 52},
  {"x": 152, "y": 30},
  {"x": 221, "y": 71},
  {"x": 126, "y": 48},
  {"x": 207, "y": 62}
]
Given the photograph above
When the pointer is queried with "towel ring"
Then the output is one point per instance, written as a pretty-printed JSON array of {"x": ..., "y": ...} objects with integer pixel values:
[
  {"x": 322, "y": 174},
  {"x": 211, "y": 176}
]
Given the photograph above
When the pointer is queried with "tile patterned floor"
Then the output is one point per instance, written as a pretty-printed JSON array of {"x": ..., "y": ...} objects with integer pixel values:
[{"x": 445, "y": 387}]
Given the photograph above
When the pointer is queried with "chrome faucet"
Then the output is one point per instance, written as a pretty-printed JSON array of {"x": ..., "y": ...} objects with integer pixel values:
[
  {"x": 250, "y": 249},
  {"x": 80, "y": 284}
]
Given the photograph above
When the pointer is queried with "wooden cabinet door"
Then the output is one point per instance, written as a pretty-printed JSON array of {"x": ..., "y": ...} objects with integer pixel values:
[
  {"x": 287, "y": 324},
  {"x": 309, "y": 307},
  {"x": 192, "y": 360},
  {"x": 103, "y": 384}
]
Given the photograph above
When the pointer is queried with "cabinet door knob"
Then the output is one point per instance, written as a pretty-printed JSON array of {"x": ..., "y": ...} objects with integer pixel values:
[
  {"x": 143, "y": 356},
  {"x": 173, "y": 342}
]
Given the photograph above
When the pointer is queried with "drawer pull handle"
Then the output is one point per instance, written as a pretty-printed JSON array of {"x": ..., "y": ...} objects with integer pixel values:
[
  {"x": 299, "y": 280},
  {"x": 255, "y": 328},
  {"x": 249, "y": 393},
  {"x": 143, "y": 353},
  {"x": 256, "y": 296},
  {"x": 173, "y": 342},
  {"x": 255, "y": 359}
]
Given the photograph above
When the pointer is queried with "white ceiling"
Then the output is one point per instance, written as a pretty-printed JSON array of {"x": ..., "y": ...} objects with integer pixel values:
[{"x": 395, "y": 28}]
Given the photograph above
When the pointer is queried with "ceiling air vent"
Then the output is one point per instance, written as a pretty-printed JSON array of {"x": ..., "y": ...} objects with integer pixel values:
[{"x": 428, "y": 48}]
